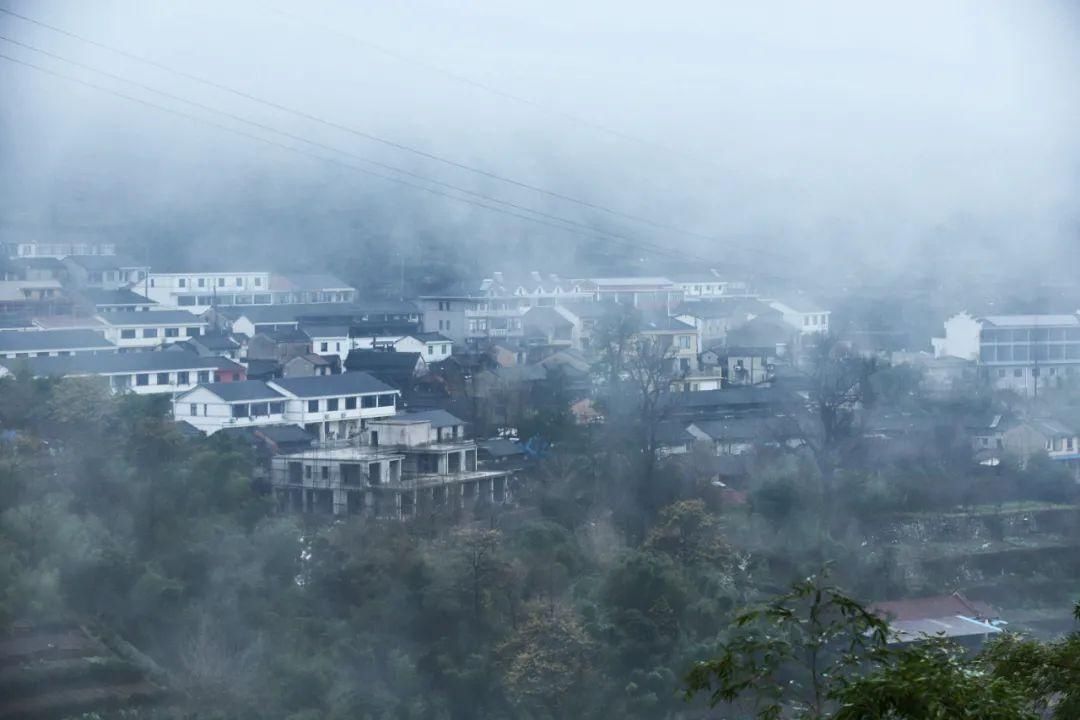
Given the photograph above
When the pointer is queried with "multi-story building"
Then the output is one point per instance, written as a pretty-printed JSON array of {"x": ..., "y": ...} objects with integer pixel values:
[
  {"x": 330, "y": 407},
  {"x": 143, "y": 330},
  {"x": 59, "y": 248},
  {"x": 198, "y": 291},
  {"x": 143, "y": 373},
  {"x": 407, "y": 463},
  {"x": 33, "y": 297},
  {"x": 1023, "y": 353},
  {"x": 677, "y": 339}
]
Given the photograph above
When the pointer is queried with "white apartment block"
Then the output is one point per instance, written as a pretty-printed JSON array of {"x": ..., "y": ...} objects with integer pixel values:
[{"x": 147, "y": 330}]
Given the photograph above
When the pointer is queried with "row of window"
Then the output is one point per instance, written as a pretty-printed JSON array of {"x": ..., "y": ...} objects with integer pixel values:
[
  {"x": 169, "y": 332},
  {"x": 444, "y": 349},
  {"x": 255, "y": 409},
  {"x": 1030, "y": 335},
  {"x": 444, "y": 325},
  {"x": 206, "y": 282},
  {"x": 1037, "y": 372},
  {"x": 813, "y": 320},
  {"x": 183, "y": 377},
  {"x": 350, "y": 403},
  {"x": 1025, "y": 353}
]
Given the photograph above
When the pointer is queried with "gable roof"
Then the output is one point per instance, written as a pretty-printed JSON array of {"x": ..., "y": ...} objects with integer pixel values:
[
  {"x": 437, "y": 418},
  {"x": 119, "y": 363},
  {"x": 285, "y": 335},
  {"x": 120, "y": 296},
  {"x": 350, "y": 383},
  {"x": 429, "y": 337},
  {"x": 154, "y": 317},
  {"x": 373, "y": 360},
  {"x": 49, "y": 340},
  {"x": 240, "y": 391}
]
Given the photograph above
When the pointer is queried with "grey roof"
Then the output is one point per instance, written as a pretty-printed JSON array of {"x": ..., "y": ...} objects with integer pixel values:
[
  {"x": 118, "y": 363},
  {"x": 373, "y": 360},
  {"x": 46, "y": 340},
  {"x": 316, "y": 330},
  {"x": 429, "y": 337},
  {"x": 244, "y": 390},
  {"x": 121, "y": 296},
  {"x": 350, "y": 383},
  {"x": 662, "y": 323},
  {"x": 761, "y": 332},
  {"x": 500, "y": 447},
  {"x": 721, "y": 308},
  {"x": 155, "y": 317},
  {"x": 437, "y": 418},
  {"x": 292, "y": 312},
  {"x": 216, "y": 341}
]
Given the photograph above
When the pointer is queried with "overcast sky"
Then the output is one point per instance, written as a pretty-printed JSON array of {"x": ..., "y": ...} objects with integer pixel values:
[{"x": 829, "y": 132}]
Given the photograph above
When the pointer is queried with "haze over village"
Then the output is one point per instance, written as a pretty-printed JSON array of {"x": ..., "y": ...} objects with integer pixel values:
[{"x": 532, "y": 360}]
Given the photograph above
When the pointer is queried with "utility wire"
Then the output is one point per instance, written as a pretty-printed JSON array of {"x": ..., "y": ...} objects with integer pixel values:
[
  {"x": 323, "y": 146},
  {"x": 491, "y": 89},
  {"x": 226, "y": 128},
  {"x": 368, "y": 136}
]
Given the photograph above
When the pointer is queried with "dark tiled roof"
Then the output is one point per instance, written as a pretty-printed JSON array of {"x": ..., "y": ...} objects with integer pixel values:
[
  {"x": 315, "y": 330},
  {"x": 114, "y": 363},
  {"x": 216, "y": 341},
  {"x": 292, "y": 312},
  {"x": 758, "y": 333},
  {"x": 437, "y": 418},
  {"x": 246, "y": 390},
  {"x": 286, "y": 335},
  {"x": 155, "y": 317},
  {"x": 428, "y": 337},
  {"x": 42, "y": 340},
  {"x": 730, "y": 397},
  {"x": 121, "y": 296},
  {"x": 662, "y": 323},
  {"x": 373, "y": 360},
  {"x": 350, "y": 383}
]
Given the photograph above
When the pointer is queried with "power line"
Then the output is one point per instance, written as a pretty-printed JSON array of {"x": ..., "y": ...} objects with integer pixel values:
[
  {"x": 198, "y": 119},
  {"x": 323, "y": 146},
  {"x": 491, "y": 89},
  {"x": 368, "y": 136}
]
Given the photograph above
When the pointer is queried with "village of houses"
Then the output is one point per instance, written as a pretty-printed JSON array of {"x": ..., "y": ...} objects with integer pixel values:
[{"x": 377, "y": 407}]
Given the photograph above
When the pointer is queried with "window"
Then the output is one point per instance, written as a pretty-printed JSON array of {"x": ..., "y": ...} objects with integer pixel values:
[
  {"x": 151, "y": 282},
  {"x": 183, "y": 377},
  {"x": 260, "y": 409},
  {"x": 430, "y": 349},
  {"x": 239, "y": 411},
  {"x": 325, "y": 472},
  {"x": 172, "y": 332},
  {"x": 202, "y": 282},
  {"x": 1018, "y": 372},
  {"x": 448, "y": 324},
  {"x": 1001, "y": 373},
  {"x": 323, "y": 347},
  {"x": 258, "y": 282},
  {"x": 149, "y": 332},
  {"x": 307, "y": 471},
  {"x": 185, "y": 300},
  {"x": 684, "y": 341},
  {"x": 194, "y": 410},
  {"x": 239, "y": 282},
  {"x": 337, "y": 346},
  {"x": 221, "y": 282},
  {"x": 182, "y": 282},
  {"x": 367, "y": 401},
  {"x": 142, "y": 379},
  {"x": 332, "y": 404},
  {"x": 163, "y": 378},
  {"x": 386, "y": 400},
  {"x": 191, "y": 332},
  {"x": 445, "y": 349},
  {"x": 806, "y": 321},
  {"x": 204, "y": 376},
  {"x": 313, "y": 406},
  {"x": 127, "y": 334},
  {"x": 276, "y": 408},
  {"x": 350, "y": 403}
]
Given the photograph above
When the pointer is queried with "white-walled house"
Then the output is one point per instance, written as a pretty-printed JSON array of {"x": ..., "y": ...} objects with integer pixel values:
[
  {"x": 142, "y": 330},
  {"x": 333, "y": 407},
  {"x": 802, "y": 314},
  {"x": 329, "y": 339},
  {"x": 432, "y": 346},
  {"x": 198, "y": 291},
  {"x": 143, "y": 373},
  {"x": 52, "y": 343},
  {"x": 216, "y": 406}
]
